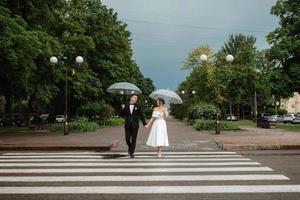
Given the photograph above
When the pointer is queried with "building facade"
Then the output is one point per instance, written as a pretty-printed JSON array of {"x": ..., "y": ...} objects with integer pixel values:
[{"x": 292, "y": 105}]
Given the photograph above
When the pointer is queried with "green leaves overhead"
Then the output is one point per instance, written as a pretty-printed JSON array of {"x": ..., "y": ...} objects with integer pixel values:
[
  {"x": 33, "y": 31},
  {"x": 285, "y": 41}
]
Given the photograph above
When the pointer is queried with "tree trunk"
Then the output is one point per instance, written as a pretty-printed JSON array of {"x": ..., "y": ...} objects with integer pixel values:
[
  {"x": 238, "y": 109},
  {"x": 230, "y": 107},
  {"x": 8, "y": 105}
]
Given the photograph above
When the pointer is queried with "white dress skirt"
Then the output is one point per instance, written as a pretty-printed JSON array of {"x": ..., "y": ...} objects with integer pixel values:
[{"x": 158, "y": 135}]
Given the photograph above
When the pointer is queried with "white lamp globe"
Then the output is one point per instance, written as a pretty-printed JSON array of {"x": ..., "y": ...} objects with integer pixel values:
[
  {"x": 79, "y": 59},
  {"x": 132, "y": 92},
  {"x": 203, "y": 57},
  {"x": 182, "y": 92},
  {"x": 229, "y": 58},
  {"x": 121, "y": 92},
  {"x": 53, "y": 60},
  {"x": 193, "y": 92}
]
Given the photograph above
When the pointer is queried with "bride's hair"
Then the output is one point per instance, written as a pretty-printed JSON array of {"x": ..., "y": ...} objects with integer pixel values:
[{"x": 161, "y": 101}]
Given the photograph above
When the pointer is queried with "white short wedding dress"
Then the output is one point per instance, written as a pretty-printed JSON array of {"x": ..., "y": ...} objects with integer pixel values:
[{"x": 158, "y": 135}]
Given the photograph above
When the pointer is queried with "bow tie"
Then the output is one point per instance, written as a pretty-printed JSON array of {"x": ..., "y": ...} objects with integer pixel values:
[{"x": 131, "y": 104}]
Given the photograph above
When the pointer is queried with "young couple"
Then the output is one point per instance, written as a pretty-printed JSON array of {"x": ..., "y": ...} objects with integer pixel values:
[{"x": 158, "y": 136}]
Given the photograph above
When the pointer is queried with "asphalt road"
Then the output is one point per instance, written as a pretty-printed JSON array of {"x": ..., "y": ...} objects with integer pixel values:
[{"x": 212, "y": 175}]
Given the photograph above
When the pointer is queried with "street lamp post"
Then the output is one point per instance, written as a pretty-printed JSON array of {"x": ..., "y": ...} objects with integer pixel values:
[
  {"x": 277, "y": 104},
  {"x": 229, "y": 58},
  {"x": 54, "y": 60}
]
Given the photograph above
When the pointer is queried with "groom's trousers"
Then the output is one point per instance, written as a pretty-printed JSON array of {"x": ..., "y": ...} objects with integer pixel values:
[{"x": 130, "y": 136}]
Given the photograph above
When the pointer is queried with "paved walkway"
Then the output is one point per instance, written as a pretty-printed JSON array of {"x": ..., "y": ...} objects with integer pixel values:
[{"x": 181, "y": 137}]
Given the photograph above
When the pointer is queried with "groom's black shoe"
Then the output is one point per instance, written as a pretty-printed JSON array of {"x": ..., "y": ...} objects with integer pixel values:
[{"x": 131, "y": 155}]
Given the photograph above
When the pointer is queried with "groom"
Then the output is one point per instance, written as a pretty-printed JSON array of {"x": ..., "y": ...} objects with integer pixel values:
[{"x": 132, "y": 114}]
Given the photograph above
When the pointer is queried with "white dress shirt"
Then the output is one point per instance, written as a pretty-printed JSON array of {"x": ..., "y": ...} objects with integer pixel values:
[{"x": 131, "y": 106}]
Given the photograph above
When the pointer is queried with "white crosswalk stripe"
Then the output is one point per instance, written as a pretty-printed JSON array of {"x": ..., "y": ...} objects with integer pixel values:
[
  {"x": 39, "y": 169},
  {"x": 137, "y": 153},
  {"x": 123, "y": 160},
  {"x": 152, "y": 189},
  {"x": 142, "y": 178},
  {"x": 142, "y": 156}
]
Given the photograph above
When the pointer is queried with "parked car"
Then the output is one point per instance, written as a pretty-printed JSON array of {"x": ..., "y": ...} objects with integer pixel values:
[
  {"x": 51, "y": 118},
  {"x": 288, "y": 118},
  {"x": 296, "y": 120},
  {"x": 270, "y": 118},
  {"x": 7, "y": 120},
  {"x": 44, "y": 117},
  {"x": 231, "y": 117},
  {"x": 266, "y": 120},
  {"x": 21, "y": 120},
  {"x": 280, "y": 118},
  {"x": 60, "y": 118},
  {"x": 36, "y": 120}
]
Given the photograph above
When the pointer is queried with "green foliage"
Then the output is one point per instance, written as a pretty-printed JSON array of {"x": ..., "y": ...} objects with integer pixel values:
[
  {"x": 282, "y": 111},
  {"x": 179, "y": 111},
  {"x": 201, "y": 110},
  {"x": 285, "y": 43},
  {"x": 148, "y": 112},
  {"x": 96, "y": 110},
  {"x": 272, "y": 111},
  {"x": 211, "y": 125},
  {"x": 232, "y": 85},
  {"x": 289, "y": 127},
  {"x": 33, "y": 31},
  {"x": 81, "y": 124},
  {"x": 115, "y": 121}
]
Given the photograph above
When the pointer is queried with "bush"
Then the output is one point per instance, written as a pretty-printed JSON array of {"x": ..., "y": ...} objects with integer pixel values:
[
  {"x": 179, "y": 111},
  {"x": 97, "y": 110},
  {"x": 211, "y": 125},
  {"x": 188, "y": 121},
  {"x": 282, "y": 111},
  {"x": 271, "y": 111},
  {"x": 202, "y": 110},
  {"x": 81, "y": 124},
  {"x": 115, "y": 121}
]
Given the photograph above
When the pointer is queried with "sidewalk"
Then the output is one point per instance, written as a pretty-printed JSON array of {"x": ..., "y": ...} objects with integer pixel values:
[
  {"x": 259, "y": 139},
  {"x": 181, "y": 138}
]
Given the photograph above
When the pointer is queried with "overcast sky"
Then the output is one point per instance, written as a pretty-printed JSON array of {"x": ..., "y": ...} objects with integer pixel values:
[{"x": 165, "y": 31}]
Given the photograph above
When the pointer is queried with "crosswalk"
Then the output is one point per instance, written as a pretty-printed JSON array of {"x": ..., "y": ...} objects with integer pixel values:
[{"x": 114, "y": 172}]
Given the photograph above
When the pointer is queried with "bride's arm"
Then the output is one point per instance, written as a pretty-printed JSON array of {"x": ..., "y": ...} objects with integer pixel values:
[
  {"x": 150, "y": 122},
  {"x": 166, "y": 113},
  {"x": 152, "y": 119}
]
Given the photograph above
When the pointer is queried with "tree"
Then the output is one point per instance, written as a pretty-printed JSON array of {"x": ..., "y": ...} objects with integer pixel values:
[
  {"x": 285, "y": 41},
  {"x": 36, "y": 30},
  {"x": 240, "y": 75}
]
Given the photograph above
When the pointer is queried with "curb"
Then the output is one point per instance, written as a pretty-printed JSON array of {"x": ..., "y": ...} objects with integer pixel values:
[{"x": 247, "y": 147}]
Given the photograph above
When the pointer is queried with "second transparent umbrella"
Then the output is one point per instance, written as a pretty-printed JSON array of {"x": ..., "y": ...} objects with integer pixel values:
[{"x": 168, "y": 95}]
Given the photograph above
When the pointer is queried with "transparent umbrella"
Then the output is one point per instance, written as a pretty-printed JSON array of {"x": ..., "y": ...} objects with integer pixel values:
[
  {"x": 123, "y": 88},
  {"x": 168, "y": 95}
]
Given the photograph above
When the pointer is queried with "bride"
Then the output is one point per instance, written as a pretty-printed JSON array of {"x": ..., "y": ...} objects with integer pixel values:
[{"x": 158, "y": 136}]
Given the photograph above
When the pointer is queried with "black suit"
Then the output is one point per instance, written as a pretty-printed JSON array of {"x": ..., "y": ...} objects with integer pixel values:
[{"x": 132, "y": 125}]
